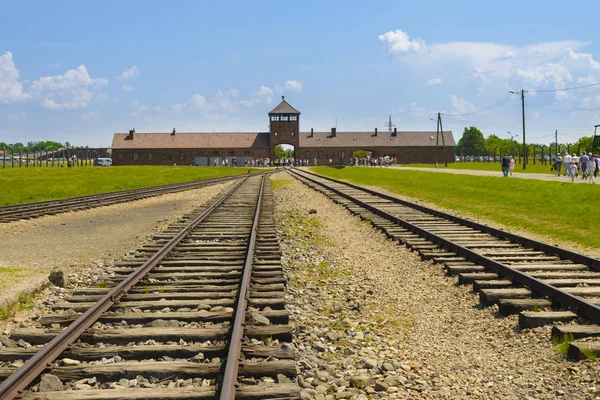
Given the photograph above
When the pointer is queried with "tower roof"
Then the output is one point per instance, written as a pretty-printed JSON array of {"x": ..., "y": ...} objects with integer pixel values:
[{"x": 284, "y": 108}]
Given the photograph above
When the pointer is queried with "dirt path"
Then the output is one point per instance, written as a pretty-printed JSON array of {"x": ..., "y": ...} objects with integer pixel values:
[
  {"x": 29, "y": 250},
  {"x": 518, "y": 175}
]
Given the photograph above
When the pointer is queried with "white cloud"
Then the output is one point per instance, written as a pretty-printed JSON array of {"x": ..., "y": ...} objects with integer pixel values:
[
  {"x": 293, "y": 86},
  {"x": 157, "y": 108},
  {"x": 399, "y": 42},
  {"x": 461, "y": 106},
  {"x": 127, "y": 88},
  {"x": 434, "y": 81},
  {"x": 138, "y": 107},
  {"x": 197, "y": 102},
  {"x": 90, "y": 116},
  {"x": 130, "y": 74},
  {"x": 228, "y": 101},
  {"x": 265, "y": 93},
  {"x": 10, "y": 88},
  {"x": 414, "y": 111},
  {"x": 106, "y": 97},
  {"x": 70, "y": 91},
  {"x": 496, "y": 67}
]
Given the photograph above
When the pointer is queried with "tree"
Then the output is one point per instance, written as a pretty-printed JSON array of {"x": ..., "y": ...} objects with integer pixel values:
[
  {"x": 583, "y": 144},
  {"x": 279, "y": 152},
  {"x": 471, "y": 142}
]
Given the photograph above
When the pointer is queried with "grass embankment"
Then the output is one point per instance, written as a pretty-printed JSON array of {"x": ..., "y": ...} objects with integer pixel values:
[
  {"x": 560, "y": 211},
  {"x": 26, "y": 185},
  {"x": 538, "y": 168}
]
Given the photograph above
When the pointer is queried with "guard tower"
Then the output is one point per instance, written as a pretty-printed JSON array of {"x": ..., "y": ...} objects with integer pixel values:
[
  {"x": 284, "y": 126},
  {"x": 596, "y": 141}
]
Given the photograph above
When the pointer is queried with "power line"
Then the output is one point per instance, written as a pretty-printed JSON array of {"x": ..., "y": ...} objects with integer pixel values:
[
  {"x": 565, "y": 89},
  {"x": 566, "y": 110},
  {"x": 535, "y": 127},
  {"x": 481, "y": 109}
]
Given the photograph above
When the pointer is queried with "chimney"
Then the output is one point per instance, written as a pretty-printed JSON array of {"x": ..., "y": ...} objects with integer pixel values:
[
  {"x": 173, "y": 133},
  {"x": 312, "y": 132},
  {"x": 131, "y": 132},
  {"x": 375, "y": 131},
  {"x": 333, "y": 131},
  {"x": 395, "y": 132}
]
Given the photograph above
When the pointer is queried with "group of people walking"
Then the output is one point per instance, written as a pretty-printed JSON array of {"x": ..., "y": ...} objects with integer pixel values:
[
  {"x": 570, "y": 165},
  {"x": 586, "y": 163}
]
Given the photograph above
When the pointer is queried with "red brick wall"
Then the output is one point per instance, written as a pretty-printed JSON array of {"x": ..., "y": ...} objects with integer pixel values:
[
  {"x": 405, "y": 155},
  {"x": 173, "y": 156},
  {"x": 284, "y": 131}
]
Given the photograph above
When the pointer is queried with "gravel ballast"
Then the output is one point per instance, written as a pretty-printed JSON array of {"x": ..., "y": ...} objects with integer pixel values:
[
  {"x": 374, "y": 321},
  {"x": 30, "y": 249}
]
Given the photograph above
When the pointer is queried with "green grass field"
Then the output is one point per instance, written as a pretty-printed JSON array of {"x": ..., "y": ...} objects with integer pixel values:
[
  {"x": 559, "y": 210},
  {"x": 25, "y": 185},
  {"x": 538, "y": 168}
]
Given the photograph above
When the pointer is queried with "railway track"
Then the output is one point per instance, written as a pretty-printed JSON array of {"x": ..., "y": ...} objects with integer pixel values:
[
  {"x": 34, "y": 210},
  {"x": 542, "y": 283},
  {"x": 196, "y": 314}
]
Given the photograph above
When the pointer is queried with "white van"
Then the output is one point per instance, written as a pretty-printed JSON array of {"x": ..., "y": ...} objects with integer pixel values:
[{"x": 104, "y": 162}]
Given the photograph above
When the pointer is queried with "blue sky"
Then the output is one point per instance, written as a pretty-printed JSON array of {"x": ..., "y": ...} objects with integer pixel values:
[{"x": 79, "y": 71}]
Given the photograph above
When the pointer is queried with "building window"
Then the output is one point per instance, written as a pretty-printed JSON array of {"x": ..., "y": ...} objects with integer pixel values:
[
  {"x": 150, "y": 156},
  {"x": 342, "y": 154},
  {"x": 320, "y": 154},
  {"x": 182, "y": 156},
  {"x": 275, "y": 134},
  {"x": 307, "y": 155},
  {"x": 120, "y": 156},
  {"x": 274, "y": 118},
  {"x": 354, "y": 138},
  {"x": 136, "y": 156},
  {"x": 284, "y": 117},
  {"x": 293, "y": 118},
  {"x": 318, "y": 137}
]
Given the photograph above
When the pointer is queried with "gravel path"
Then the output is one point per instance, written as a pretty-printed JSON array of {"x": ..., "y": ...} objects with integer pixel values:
[
  {"x": 374, "y": 320},
  {"x": 30, "y": 249}
]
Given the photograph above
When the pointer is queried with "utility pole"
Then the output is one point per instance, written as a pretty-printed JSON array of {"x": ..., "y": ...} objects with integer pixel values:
[
  {"x": 389, "y": 125},
  {"x": 522, "y": 93},
  {"x": 440, "y": 129},
  {"x": 556, "y": 141}
]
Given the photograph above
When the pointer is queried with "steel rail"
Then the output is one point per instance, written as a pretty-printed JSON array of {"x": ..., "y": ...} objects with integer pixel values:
[
  {"x": 41, "y": 360},
  {"x": 229, "y": 384},
  {"x": 7, "y": 211},
  {"x": 593, "y": 263},
  {"x": 568, "y": 300}
]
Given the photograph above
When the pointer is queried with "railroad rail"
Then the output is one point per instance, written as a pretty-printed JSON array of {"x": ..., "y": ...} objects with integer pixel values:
[
  {"x": 542, "y": 283},
  {"x": 34, "y": 210},
  {"x": 197, "y": 314}
]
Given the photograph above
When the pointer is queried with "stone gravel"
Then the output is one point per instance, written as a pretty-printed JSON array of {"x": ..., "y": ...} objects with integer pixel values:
[
  {"x": 83, "y": 244},
  {"x": 375, "y": 321}
]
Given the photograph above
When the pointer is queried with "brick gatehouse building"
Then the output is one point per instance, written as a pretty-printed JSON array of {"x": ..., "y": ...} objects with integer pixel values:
[{"x": 204, "y": 148}]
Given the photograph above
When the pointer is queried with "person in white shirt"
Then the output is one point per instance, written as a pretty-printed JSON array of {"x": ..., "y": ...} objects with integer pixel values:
[{"x": 566, "y": 163}]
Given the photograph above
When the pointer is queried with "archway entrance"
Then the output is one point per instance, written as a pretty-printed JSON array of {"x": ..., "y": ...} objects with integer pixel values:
[
  {"x": 284, "y": 154},
  {"x": 362, "y": 157}
]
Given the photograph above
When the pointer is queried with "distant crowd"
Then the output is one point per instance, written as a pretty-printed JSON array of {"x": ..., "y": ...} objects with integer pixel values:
[
  {"x": 570, "y": 166},
  {"x": 587, "y": 164}
]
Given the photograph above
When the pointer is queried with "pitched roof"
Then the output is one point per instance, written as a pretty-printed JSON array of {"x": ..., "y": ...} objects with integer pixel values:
[
  {"x": 192, "y": 140},
  {"x": 366, "y": 140},
  {"x": 284, "y": 108}
]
